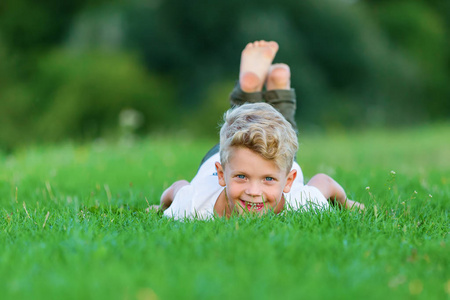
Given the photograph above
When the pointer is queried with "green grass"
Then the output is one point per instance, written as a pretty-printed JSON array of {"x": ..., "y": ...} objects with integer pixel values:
[{"x": 73, "y": 224}]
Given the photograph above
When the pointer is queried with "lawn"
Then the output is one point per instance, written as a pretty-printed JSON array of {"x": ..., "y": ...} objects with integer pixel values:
[{"x": 74, "y": 226}]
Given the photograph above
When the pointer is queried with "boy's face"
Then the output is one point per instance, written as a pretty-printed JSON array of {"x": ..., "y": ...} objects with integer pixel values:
[{"x": 253, "y": 184}]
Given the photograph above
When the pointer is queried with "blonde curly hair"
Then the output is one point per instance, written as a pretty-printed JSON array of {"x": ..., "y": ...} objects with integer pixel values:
[{"x": 262, "y": 129}]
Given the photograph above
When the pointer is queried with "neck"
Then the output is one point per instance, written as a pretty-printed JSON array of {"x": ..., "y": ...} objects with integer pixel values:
[{"x": 280, "y": 206}]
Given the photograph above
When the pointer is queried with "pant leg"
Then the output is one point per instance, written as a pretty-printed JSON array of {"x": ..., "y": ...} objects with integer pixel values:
[
  {"x": 285, "y": 102},
  {"x": 282, "y": 100},
  {"x": 239, "y": 97}
]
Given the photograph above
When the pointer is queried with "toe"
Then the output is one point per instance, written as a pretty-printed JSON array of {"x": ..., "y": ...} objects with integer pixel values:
[{"x": 273, "y": 45}]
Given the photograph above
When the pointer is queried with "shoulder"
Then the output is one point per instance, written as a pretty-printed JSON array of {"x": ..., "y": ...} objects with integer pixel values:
[
  {"x": 182, "y": 203},
  {"x": 197, "y": 199}
]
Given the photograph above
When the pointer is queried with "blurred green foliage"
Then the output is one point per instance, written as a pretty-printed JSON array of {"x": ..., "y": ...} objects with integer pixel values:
[
  {"x": 69, "y": 69},
  {"x": 81, "y": 96}
]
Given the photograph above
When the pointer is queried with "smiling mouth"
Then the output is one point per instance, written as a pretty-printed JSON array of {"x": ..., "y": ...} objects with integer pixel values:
[{"x": 251, "y": 206}]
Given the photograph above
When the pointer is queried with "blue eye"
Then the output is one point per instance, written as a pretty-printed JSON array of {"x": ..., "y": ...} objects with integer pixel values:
[
  {"x": 241, "y": 176},
  {"x": 269, "y": 179}
]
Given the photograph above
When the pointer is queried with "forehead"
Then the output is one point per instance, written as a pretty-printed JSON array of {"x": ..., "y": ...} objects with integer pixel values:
[{"x": 245, "y": 160}]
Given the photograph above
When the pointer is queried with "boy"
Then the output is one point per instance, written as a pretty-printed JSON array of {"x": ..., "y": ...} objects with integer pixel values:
[{"x": 254, "y": 171}]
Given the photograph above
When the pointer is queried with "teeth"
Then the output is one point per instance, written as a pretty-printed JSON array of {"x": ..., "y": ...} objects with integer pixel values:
[
  {"x": 252, "y": 205},
  {"x": 255, "y": 205}
]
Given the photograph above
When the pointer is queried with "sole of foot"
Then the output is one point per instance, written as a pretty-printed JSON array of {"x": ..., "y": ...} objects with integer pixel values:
[{"x": 256, "y": 60}]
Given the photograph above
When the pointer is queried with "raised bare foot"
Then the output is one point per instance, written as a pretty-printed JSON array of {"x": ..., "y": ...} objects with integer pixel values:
[
  {"x": 279, "y": 77},
  {"x": 256, "y": 60}
]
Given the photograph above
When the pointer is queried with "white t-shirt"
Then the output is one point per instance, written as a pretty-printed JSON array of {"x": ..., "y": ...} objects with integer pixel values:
[{"x": 197, "y": 199}]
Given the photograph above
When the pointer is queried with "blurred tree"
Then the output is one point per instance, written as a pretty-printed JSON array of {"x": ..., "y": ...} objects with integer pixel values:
[
  {"x": 34, "y": 25},
  {"x": 352, "y": 62},
  {"x": 85, "y": 93},
  {"x": 81, "y": 95},
  {"x": 420, "y": 29},
  {"x": 193, "y": 43},
  {"x": 29, "y": 28},
  {"x": 343, "y": 68}
]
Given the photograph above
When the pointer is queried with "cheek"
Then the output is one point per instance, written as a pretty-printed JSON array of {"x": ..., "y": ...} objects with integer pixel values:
[
  {"x": 233, "y": 191},
  {"x": 275, "y": 193}
]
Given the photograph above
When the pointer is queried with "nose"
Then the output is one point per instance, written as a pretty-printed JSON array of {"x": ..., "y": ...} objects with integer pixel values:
[{"x": 253, "y": 189}]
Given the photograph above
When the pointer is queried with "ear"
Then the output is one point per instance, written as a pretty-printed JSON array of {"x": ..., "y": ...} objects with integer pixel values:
[
  {"x": 290, "y": 180},
  {"x": 220, "y": 174}
]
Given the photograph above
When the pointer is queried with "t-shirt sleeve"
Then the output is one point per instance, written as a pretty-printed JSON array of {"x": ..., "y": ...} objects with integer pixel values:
[
  {"x": 197, "y": 199},
  {"x": 181, "y": 206},
  {"x": 305, "y": 198}
]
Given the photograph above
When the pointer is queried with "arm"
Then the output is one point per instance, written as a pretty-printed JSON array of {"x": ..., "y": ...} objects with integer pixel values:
[
  {"x": 333, "y": 191},
  {"x": 169, "y": 194}
]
